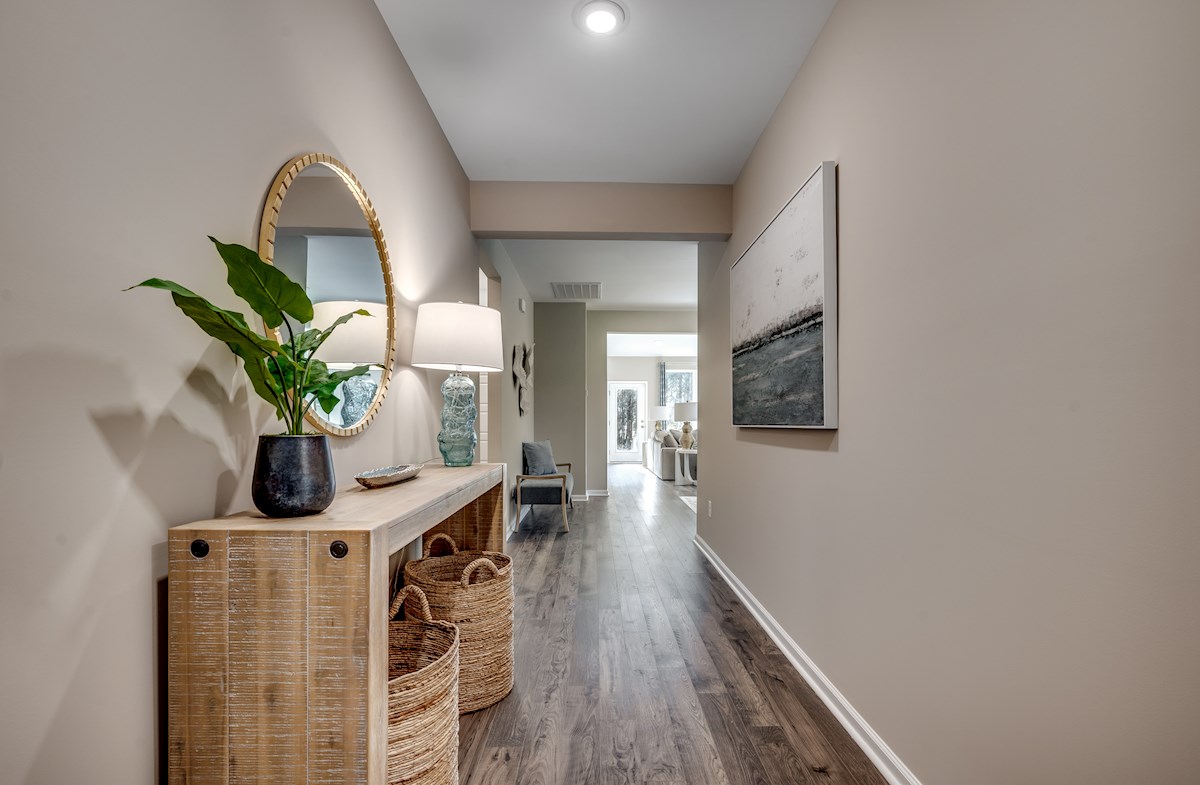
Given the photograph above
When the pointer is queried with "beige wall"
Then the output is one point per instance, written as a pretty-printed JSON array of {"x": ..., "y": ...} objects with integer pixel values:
[
  {"x": 995, "y": 556},
  {"x": 607, "y": 211},
  {"x": 518, "y": 328},
  {"x": 560, "y": 382},
  {"x": 136, "y": 128},
  {"x": 599, "y": 325}
]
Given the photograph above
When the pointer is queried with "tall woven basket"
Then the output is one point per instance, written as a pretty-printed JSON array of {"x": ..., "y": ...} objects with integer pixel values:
[
  {"x": 422, "y": 729},
  {"x": 472, "y": 589}
]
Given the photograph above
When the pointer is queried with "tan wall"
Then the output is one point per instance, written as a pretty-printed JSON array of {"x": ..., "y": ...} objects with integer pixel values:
[
  {"x": 560, "y": 382},
  {"x": 514, "y": 428},
  {"x": 137, "y": 128},
  {"x": 995, "y": 556},
  {"x": 607, "y": 211},
  {"x": 599, "y": 325}
]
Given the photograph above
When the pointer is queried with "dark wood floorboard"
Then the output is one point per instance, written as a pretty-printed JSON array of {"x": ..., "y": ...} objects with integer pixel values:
[{"x": 637, "y": 664}]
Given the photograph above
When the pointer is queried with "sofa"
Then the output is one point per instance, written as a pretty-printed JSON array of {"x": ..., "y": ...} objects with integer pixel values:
[{"x": 662, "y": 453}]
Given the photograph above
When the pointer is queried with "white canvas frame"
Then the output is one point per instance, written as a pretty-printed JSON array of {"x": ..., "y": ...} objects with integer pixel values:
[{"x": 752, "y": 259}]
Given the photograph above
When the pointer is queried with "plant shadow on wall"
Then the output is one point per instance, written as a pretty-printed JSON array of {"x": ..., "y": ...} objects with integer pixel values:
[{"x": 175, "y": 465}]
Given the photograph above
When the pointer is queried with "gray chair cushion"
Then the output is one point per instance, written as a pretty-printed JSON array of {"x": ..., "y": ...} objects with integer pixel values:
[
  {"x": 546, "y": 491},
  {"x": 539, "y": 458},
  {"x": 670, "y": 441}
]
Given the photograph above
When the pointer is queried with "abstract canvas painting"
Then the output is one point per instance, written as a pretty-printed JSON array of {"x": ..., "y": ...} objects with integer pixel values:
[{"x": 783, "y": 314}]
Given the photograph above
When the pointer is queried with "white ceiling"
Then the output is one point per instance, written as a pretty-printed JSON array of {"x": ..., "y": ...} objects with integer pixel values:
[
  {"x": 652, "y": 345},
  {"x": 679, "y": 96},
  {"x": 635, "y": 274}
]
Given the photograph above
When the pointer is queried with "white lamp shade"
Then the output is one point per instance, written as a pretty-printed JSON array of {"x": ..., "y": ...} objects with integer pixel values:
[
  {"x": 361, "y": 340},
  {"x": 687, "y": 412},
  {"x": 458, "y": 337},
  {"x": 660, "y": 413}
]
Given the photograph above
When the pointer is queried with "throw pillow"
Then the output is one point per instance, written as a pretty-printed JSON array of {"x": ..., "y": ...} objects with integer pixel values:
[
  {"x": 677, "y": 434},
  {"x": 539, "y": 458},
  {"x": 670, "y": 441}
]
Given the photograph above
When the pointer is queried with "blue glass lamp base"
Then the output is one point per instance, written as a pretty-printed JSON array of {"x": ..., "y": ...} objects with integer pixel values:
[{"x": 457, "y": 439}]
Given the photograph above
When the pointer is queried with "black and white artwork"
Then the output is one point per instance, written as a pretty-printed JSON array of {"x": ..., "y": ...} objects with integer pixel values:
[{"x": 783, "y": 314}]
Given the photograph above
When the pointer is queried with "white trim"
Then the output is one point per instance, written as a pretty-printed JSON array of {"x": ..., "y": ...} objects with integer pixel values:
[
  {"x": 577, "y": 498},
  {"x": 888, "y": 763},
  {"x": 597, "y": 493},
  {"x": 522, "y": 512}
]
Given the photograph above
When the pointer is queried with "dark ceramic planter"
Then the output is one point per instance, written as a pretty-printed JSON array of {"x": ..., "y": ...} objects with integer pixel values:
[{"x": 293, "y": 475}]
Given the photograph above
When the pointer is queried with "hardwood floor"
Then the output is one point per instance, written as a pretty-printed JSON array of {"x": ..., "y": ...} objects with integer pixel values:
[{"x": 635, "y": 663}]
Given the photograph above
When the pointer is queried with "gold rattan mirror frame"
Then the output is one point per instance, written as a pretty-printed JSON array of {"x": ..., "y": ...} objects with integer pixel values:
[{"x": 266, "y": 249}]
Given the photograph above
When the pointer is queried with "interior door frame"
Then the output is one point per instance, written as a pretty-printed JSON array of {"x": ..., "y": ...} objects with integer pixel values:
[{"x": 634, "y": 455}]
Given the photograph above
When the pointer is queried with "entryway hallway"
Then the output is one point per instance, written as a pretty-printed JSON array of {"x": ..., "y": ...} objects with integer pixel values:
[{"x": 635, "y": 663}]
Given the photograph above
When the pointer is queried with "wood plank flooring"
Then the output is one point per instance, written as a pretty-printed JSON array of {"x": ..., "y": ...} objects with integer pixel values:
[{"x": 635, "y": 663}]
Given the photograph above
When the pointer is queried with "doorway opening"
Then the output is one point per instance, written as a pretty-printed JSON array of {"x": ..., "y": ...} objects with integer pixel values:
[
  {"x": 648, "y": 373},
  {"x": 626, "y": 421}
]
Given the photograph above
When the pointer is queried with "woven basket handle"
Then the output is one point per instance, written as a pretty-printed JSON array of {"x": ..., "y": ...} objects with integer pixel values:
[
  {"x": 398, "y": 602},
  {"x": 440, "y": 536},
  {"x": 475, "y": 565}
]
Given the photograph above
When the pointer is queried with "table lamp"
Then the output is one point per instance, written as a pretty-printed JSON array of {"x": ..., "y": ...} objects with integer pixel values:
[
  {"x": 685, "y": 413},
  {"x": 458, "y": 337},
  {"x": 659, "y": 414}
]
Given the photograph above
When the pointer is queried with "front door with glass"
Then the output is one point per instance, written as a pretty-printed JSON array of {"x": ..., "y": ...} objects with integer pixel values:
[{"x": 626, "y": 421}]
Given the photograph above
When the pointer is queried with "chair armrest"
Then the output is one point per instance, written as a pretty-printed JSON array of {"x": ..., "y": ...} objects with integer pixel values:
[
  {"x": 562, "y": 477},
  {"x": 568, "y": 465}
]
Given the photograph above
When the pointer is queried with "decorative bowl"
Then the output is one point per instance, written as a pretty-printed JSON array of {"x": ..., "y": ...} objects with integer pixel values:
[{"x": 389, "y": 475}]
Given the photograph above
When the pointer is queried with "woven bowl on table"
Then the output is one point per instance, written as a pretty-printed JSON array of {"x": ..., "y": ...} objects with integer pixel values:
[
  {"x": 472, "y": 589},
  {"x": 422, "y": 733}
]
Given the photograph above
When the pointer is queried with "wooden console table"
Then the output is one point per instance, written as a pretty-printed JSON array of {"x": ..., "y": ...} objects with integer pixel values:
[{"x": 277, "y": 658}]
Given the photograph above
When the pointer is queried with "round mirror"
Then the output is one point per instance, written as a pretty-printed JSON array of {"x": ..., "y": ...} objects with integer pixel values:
[{"x": 319, "y": 227}]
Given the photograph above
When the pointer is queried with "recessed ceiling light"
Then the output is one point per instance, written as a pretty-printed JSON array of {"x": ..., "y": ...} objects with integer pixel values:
[{"x": 600, "y": 17}]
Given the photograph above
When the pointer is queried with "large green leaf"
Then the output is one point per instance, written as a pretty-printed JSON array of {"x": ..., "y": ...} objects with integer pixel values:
[
  {"x": 309, "y": 341},
  {"x": 266, "y": 288},
  {"x": 227, "y": 326},
  {"x": 306, "y": 342},
  {"x": 338, "y": 323},
  {"x": 324, "y": 390},
  {"x": 337, "y": 377},
  {"x": 284, "y": 371},
  {"x": 263, "y": 383},
  {"x": 230, "y": 328}
]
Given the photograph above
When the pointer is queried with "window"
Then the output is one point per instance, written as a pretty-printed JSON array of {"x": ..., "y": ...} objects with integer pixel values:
[{"x": 681, "y": 388}]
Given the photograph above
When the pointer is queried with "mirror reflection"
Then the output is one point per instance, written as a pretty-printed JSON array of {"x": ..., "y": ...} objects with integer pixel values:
[{"x": 324, "y": 242}]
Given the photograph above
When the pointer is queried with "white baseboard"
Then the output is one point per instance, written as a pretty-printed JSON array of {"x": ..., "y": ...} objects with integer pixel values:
[
  {"x": 888, "y": 763},
  {"x": 575, "y": 498},
  {"x": 522, "y": 514},
  {"x": 597, "y": 493}
]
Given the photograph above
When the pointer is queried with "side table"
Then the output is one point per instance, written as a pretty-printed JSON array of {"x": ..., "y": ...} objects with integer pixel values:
[{"x": 683, "y": 466}]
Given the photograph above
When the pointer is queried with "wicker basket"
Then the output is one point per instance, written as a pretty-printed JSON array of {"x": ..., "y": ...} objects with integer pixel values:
[
  {"x": 472, "y": 589},
  {"x": 422, "y": 695}
]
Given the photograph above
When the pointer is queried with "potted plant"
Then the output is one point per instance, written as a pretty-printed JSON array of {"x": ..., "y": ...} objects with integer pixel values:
[{"x": 293, "y": 471}]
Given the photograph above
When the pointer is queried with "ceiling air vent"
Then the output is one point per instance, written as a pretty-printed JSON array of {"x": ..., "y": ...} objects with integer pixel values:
[{"x": 576, "y": 291}]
